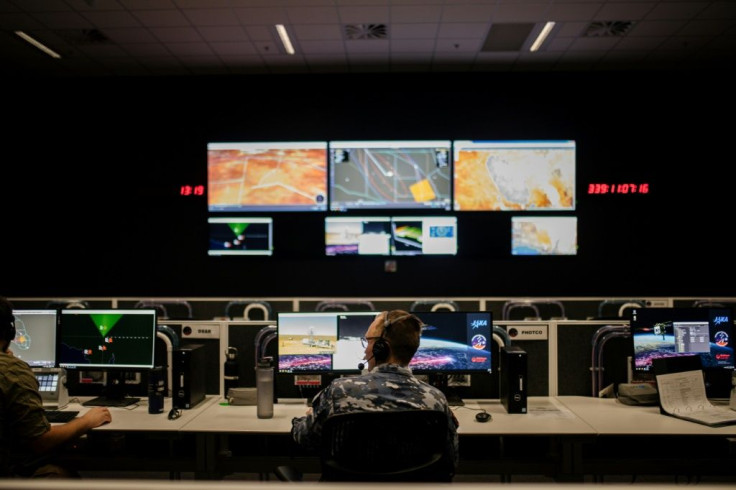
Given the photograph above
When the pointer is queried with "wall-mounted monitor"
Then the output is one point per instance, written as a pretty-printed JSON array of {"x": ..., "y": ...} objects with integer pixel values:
[
  {"x": 267, "y": 176},
  {"x": 368, "y": 175},
  {"x": 544, "y": 235},
  {"x": 106, "y": 339},
  {"x": 424, "y": 235},
  {"x": 357, "y": 235},
  {"x": 514, "y": 175},
  {"x": 310, "y": 342},
  {"x": 35, "y": 337},
  {"x": 240, "y": 236}
]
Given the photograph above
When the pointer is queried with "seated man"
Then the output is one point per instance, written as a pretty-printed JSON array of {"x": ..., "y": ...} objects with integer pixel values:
[
  {"x": 390, "y": 343},
  {"x": 25, "y": 434}
]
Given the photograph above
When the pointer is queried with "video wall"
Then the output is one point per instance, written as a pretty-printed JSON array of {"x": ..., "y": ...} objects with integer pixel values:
[{"x": 345, "y": 179}]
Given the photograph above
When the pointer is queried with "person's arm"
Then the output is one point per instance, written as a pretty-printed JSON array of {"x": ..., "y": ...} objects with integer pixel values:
[{"x": 60, "y": 434}]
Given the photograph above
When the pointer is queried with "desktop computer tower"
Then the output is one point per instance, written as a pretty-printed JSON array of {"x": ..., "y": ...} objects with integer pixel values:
[
  {"x": 513, "y": 378},
  {"x": 188, "y": 375}
]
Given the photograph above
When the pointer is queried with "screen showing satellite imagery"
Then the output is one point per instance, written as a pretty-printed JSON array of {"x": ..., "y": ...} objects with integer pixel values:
[
  {"x": 514, "y": 175},
  {"x": 390, "y": 175},
  {"x": 240, "y": 236},
  {"x": 286, "y": 176},
  {"x": 544, "y": 235}
]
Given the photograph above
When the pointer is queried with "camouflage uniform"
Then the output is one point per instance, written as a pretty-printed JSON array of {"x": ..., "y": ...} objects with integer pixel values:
[
  {"x": 386, "y": 387},
  {"x": 21, "y": 411}
]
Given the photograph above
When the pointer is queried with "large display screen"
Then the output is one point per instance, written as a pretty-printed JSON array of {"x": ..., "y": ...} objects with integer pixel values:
[
  {"x": 390, "y": 175},
  {"x": 544, "y": 235},
  {"x": 682, "y": 331},
  {"x": 514, "y": 175},
  {"x": 35, "y": 337},
  {"x": 240, "y": 236},
  {"x": 267, "y": 176},
  {"x": 106, "y": 338},
  {"x": 424, "y": 235}
]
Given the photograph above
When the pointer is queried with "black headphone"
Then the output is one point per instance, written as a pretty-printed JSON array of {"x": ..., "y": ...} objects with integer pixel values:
[
  {"x": 7, "y": 322},
  {"x": 381, "y": 347}
]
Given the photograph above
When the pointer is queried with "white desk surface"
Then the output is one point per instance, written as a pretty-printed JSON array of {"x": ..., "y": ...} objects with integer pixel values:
[
  {"x": 546, "y": 416},
  {"x": 137, "y": 418},
  {"x": 608, "y": 416}
]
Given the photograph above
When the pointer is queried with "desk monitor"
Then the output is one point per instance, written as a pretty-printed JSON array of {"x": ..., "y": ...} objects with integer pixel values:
[
  {"x": 115, "y": 341},
  {"x": 311, "y": 343},
  {"x": 683, "y": 331},
  {"x": 267, "y": 176},
  {"x": 390, "y": 175},
  {"x": 35, "y": 337},
  {"x": 514, "y": 175},
  {"x": 240, "y": 236}
]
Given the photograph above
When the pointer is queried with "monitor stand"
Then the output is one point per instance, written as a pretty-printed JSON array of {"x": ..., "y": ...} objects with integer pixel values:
[
  {"x": 441, "y": 381},
  {"x": 113, "y": 394}
]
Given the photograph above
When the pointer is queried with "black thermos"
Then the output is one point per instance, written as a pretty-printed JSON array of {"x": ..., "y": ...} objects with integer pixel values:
[{"x": 232, "y": 376}]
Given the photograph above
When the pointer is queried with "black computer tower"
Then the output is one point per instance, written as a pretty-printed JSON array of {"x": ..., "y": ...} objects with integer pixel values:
[
  {"x": 188, "y": 375},
  {"x": 513, "y": 378}
]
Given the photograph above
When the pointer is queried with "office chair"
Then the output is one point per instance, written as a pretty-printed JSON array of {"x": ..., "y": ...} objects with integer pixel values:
[{"x": 406, "y": 445}]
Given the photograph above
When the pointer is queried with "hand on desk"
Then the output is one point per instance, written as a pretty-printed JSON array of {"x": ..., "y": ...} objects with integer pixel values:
[{"x": 97, "y": 416}]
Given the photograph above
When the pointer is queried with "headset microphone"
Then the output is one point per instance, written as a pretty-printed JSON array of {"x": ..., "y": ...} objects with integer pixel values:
[{"x": 362, "y": 365}]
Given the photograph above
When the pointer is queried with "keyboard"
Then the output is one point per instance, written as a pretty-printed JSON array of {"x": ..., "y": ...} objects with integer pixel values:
[
  {"x": 103, "y": 401},
  {"x": 60, "y": 416}
]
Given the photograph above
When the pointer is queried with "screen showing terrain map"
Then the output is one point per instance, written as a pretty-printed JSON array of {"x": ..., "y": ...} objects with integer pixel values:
[
  {"x": 544, "y": 235},
  {"x": 270, "y": 176},
  {"x": 514, "y": 175},
  {"x": 390, "y": 175},
  {"x": 35, "y": 337}
]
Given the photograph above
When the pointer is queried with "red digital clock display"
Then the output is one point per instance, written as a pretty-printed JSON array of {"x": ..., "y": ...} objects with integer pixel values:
[
  {"x": 622, "y": 188},
  {"x": 191, "y": 190}
]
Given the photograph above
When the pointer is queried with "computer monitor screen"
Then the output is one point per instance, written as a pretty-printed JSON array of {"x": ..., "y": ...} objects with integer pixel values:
[
  {"x": 454, "y": 342},
  {"x": 390, "y": 175},
  {"x": 310, "y": 342},
  {"x": 357, "y": 235},
  {"x": 424, "y": 235},
  {"x": 682, "y": 331},
  {"x": 106, "y": 338},
  {"x": 544, "y": 235},
  {"x": 514, "y": 175},
  {"x": 267, "y": 176},
  {"x": 240, "y": 236},
  {"x": 35, "y": 337}
]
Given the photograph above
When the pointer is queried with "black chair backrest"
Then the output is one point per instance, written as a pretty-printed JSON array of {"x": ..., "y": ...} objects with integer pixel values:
[{"x": 405, "y": 445}]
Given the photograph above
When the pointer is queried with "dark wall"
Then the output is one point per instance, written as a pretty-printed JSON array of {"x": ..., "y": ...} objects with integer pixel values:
[{"x": 92, "y": 170}]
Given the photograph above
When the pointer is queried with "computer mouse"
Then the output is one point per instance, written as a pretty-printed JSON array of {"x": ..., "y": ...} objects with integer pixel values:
[{"x": 482, "y": 416}]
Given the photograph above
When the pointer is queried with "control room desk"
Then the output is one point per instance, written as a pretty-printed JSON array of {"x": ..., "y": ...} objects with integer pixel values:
[
  {"x": 136, "y": 440},
  {"x": 546, "y": 440},
  {"x": 640, "y": 440}
]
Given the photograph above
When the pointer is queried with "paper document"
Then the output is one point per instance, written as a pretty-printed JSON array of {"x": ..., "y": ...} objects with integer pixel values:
[{"x": 683, "y": 395}]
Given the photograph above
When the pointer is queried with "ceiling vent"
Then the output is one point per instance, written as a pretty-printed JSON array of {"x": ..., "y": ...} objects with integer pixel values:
[
  {"x": 366, "y": 31},
  {"x": 83, "y": 37},
  {"x": 611, "y": 28}
]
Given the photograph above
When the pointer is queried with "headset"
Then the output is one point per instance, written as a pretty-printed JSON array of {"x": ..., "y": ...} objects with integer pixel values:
[
  {"x": 7, "y": 322},
  {"x": 381, "y": 347}
]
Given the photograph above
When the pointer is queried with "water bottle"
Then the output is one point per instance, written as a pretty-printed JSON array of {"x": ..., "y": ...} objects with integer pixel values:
[
  {"x": 232, "y": 377},
  {"x": 264, "y": 388}
]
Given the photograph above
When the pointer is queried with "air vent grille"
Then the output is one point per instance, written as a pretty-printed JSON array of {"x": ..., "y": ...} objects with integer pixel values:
[
  {"x": 366, "y": 31},
  {"x": 611, "y": 28}
]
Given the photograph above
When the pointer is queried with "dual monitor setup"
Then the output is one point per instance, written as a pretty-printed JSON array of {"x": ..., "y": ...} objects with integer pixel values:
[
  {"x": 115, "y": 342},
  {"x": 401, "y": 189}
]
